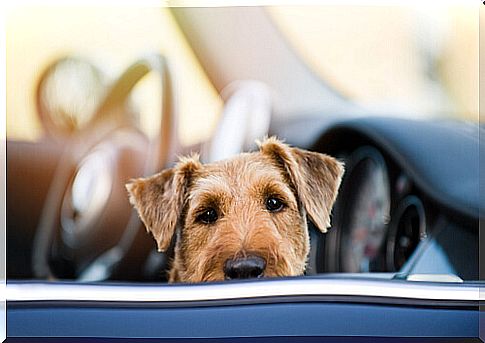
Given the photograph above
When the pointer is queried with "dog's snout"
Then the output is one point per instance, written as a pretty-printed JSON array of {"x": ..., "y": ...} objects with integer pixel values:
[{"x": 244, "y": 267}]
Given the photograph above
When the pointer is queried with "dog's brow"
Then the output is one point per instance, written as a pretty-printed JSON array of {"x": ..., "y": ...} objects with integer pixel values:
[
  {"x": 208, "y": 192},
  {"x": 207, "y": 200},
  {"x": 270, "y": 186}
]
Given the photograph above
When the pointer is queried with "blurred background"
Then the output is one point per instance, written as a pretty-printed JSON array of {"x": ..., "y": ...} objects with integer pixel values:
[
  {"x": 112, "y": 38},
  {"x": 418, "y": 61}
]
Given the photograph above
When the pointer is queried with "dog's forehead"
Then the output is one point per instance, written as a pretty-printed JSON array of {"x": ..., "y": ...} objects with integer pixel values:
[{"x": 244, "y": 169}]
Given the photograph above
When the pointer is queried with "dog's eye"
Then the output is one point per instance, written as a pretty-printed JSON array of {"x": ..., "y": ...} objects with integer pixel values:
[
  {"x": 274, "y": 204},
  {"x": 208, "y": 216}
]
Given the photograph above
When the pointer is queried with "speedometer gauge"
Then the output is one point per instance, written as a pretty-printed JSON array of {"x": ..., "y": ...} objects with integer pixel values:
[{"x": 363, "y": 218}]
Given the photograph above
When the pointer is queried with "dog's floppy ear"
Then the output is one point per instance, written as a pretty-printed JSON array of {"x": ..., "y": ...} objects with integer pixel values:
[
  {"x": 159, "y": 199},
  {"x": 316, "y": 177}
]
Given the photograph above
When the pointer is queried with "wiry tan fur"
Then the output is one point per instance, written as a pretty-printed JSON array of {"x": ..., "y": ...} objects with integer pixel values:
[{"x": 169, "y": 204}]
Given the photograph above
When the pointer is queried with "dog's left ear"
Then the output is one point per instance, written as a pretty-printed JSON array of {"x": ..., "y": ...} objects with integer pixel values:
[{"x": 316, "y": 177}]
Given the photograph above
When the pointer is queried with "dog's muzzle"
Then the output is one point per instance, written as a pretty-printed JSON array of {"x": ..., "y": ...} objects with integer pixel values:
[{"x": 244, "y": 267}]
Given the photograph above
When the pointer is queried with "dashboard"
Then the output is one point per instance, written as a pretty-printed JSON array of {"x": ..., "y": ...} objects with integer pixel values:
[{"x": 408, "y": 202}]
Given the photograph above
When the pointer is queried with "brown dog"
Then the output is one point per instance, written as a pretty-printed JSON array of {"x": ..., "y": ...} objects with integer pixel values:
[{"x": 239, "y": 218}]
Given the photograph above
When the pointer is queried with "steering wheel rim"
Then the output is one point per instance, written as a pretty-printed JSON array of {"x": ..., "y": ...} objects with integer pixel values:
[{"x": 100, "y": 128}]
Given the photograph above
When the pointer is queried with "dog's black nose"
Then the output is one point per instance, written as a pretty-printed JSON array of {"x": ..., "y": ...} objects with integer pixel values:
[{"x": 244, "y": 267}]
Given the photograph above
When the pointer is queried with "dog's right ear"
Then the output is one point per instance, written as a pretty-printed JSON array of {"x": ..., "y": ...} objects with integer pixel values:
[{"x": 159, "y": 199}]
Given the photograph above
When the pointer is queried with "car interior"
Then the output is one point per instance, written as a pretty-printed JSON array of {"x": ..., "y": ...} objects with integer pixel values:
[{"x": 409, "y": 204}]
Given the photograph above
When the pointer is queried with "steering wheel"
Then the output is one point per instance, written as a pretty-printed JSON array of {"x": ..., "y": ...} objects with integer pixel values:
[{"x": 87, "y": 225}]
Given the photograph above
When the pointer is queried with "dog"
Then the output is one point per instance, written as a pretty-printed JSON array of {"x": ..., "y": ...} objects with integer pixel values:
[{"x": 244, "y": 217}]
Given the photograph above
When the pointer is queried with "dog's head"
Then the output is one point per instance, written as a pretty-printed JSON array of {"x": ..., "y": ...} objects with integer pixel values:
[{"x": 239, "y": 218}]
